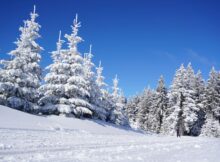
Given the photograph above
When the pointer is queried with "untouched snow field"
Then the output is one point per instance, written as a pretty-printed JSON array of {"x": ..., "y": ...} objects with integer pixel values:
[{"x": 28, "y": 138}]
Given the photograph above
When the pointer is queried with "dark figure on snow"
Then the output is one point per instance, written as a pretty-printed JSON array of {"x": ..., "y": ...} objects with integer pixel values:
[
  {"x": 179, "y": 127},
  {"x": 178, "y": 132}
]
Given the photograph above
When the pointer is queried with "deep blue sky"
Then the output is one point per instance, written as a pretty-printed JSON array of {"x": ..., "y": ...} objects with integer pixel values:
[{"x": 137, "y": 39}]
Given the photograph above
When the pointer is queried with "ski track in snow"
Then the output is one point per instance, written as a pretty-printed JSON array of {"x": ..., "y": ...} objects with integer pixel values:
[{"x": 32, "y": 146}]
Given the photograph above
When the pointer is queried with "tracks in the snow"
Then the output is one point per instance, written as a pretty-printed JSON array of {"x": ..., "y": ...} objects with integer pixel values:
[{"x": 89, "y": 146}]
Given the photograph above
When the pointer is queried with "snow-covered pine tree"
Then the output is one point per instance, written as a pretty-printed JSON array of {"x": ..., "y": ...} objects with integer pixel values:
[
  {"x": 217, "y": 109},
  {"x": 145, "y": 117},
  {"x": 76, "y": 90},
  {"x": 212, "y": 105},
  {"x": 132, "y": 109},
  {"x": 160, "y": 104},
  {"x": 88, "y": 68},
  {"x": 173, "y": 110},
  {"x": 212, "y": 96},
  {"x": 211, "y": 128},
  {"x": 199, "y": 98},
  {"x": 94, "y": 89},
  {"x": 53, "y": 98},
  {"x": 20, "y": 76},
  {"x": 199, "y": 88},
  {"x": 118, "y": 114},
  {"x": 182, "y": 105},
  {"x": 190, "y": 110},
  {"x": 105, "y": 97}
]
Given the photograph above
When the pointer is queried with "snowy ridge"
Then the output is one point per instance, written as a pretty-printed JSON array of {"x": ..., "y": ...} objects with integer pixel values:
[{"x": 29, "y": 138}]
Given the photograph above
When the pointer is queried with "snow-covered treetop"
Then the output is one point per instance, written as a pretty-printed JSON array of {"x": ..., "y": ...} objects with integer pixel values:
[
  {"x": 100, "y": 79},
  {"x": 60, "y": 42},
  {"x": 199, "y": 84},
  {"x": 89, "y": 56},
  {"x": 189, "y": 68},
  {"x": 213, "y": 79},
  {"x": 88, "y": 65},
  {"x": 29, "y": 32},
  {"x": 178, "y": 81},
  {"x": 198, "y": 77},
  {"x": 190, "y": 77},
  {"x": 161, "y": 85},
  {"x": 213, "y": 73},
  {"x": 115, "y": 86},
  {"x": 56, "y": 54},
  {"x": 34, "y": 15},
  {"x": 199, "y": 73},
  {"x": 73, "y": 38}
]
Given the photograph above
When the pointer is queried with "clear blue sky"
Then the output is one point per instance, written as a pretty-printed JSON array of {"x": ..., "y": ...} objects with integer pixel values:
[{"x": 137, "y": 39}]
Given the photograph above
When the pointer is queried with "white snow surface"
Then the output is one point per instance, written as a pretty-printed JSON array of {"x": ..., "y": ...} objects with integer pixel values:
[{"x": 30, "y": 138}]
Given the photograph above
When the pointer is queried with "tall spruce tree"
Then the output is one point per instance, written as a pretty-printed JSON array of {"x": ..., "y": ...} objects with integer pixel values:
[
  {"x": 190, "y": 111},
  {"x": 212, "y": 105},
  {"x": 76, "y": 90},
  {"x": 53, "y": 98},
  {"x": 183, "y": 108},
  {"x": 132, "y": 109},
  {"x": 160, "y": 104},
  {"x": 145, "y": 117},
  {"x": 212, "y": 98},
  {"x": 173, "y": 111},
  {"x": 118, "y": 114},
  {"x": 106, "y": 100},
  {"x": 199, "y": 97},
  {"x": 20, "y": 76},
  {"x": 96, "y": 98}
]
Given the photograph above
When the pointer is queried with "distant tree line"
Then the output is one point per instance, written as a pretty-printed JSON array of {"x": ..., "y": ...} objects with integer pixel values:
[{"x": 190, "y": 106}]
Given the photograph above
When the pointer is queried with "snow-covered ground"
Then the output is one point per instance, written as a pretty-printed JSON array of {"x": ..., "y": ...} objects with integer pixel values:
[{"x": 29, "y": 138}]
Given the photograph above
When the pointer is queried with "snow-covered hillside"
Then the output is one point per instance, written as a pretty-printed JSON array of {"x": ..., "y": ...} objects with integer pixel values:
[{"x": 25, "y": 137}]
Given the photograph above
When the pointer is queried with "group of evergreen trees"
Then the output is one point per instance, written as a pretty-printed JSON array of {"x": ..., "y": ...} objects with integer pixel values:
[
  {"x": 71, "y": 86},
  {"x": 190, "y": 106},
  {"x": 74, "y": 86}
]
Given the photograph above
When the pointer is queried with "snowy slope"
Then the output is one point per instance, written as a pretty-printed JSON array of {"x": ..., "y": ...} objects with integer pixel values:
[
  {"x": 29, "y": 138},
  {"x": 11, "y": 118}
]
